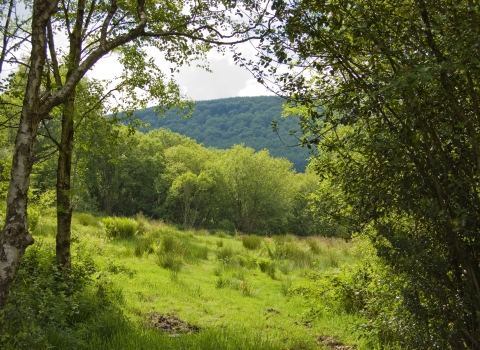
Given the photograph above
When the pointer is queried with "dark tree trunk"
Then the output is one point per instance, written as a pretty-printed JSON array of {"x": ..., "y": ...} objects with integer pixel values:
[
  {"x": 64, "y": 190},
  {"x": 64, "y": 194}
]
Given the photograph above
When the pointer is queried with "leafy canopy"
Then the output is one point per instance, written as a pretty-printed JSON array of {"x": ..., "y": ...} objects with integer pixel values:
[{"x": 390, "y": 91}]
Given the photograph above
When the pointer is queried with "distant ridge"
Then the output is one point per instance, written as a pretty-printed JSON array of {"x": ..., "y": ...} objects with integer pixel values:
[{"x": 224, "y": 122}]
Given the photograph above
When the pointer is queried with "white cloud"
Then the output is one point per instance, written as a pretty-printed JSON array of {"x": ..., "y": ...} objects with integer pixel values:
[{"x": 225, "y": 80}]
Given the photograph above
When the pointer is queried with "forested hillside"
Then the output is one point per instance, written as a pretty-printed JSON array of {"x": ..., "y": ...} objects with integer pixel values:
[{"x": 225, "y": 122}]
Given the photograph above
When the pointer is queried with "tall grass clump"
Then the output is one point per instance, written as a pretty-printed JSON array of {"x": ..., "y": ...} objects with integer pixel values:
[
  {"x": 251, "y": 242},
  {"x": 293, "y": 252},
  {"x": 86, "y": 219},
  {"x": 227, "y": 225},
  {"x": 267, "y": 266},
  {"x": 144, "y": 244},
  {"x": 197, "y": 252},
  {"x": 314, "y": 245},
  {"x": 45, "y": 228},
  {"x": 127, "y": 337},
  {"x": 225, "y": 254},
  {"x": 286, "y": 285},
  {"x": 120, "y": 227},
  {"x": 170, "y": 253},
  {"x": 142, "y": 223},
  {"x": 286, "y": 267},
  {"x": 246, "y": 260}
]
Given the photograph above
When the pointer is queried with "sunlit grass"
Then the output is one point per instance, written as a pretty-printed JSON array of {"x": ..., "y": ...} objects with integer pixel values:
[{"x": 237, "y": 293}]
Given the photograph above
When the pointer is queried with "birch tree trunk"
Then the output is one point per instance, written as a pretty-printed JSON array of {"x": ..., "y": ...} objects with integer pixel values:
[{"x": 15, "y": 238}]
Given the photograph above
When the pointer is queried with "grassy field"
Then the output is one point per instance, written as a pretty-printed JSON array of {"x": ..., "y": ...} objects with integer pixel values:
[{"x": 186, "y": 289}]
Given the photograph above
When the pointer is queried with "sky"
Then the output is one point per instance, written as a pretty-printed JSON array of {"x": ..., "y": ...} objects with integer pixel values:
[{"x": 225, "y": 80}]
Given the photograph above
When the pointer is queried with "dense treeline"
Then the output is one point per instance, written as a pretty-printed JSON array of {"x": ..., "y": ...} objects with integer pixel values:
[
  {"x": 225, "y": 122},
  {"x": 171, "y": 177}
]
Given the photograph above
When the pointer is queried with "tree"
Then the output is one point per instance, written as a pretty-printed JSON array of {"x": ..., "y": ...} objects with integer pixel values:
[
  {"x": 14, "y": 31},
  {"x": 108, "y": 26},
  {"x": 391, "y": 91},
  {"x": 259, "y": 190},
  {"x": 185, "y": 185},
  {"x": 191, "y": 191},
  {"x": 121, "y": 172}
]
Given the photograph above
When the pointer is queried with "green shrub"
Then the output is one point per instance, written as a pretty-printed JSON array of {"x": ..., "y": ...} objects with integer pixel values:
[
  {"x": 291, "y": 251},
  {"x": 197, "y": 252},
  {"x": 221, "y": 282},
  {"x": 33, "y": 218},
  {"x": 201, "y": 232},
  {"x": 289, "y": 238},
  {"x": 45, "y": 228},
  {"x": 170, "y": 261},
  {"x": 247, "y": 261},
  {"x": 120, "y": 227},
  {"x": 117, "y": 268},
  {"x": 49, "y": 307},
  {"x": 251, "y": 242},
  {"x": 285, "y": 267},
  {"x": 220, "y": 234}
]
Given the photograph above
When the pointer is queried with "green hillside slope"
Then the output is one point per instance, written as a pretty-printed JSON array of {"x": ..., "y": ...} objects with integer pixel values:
[{"x": 225, "y": 122}]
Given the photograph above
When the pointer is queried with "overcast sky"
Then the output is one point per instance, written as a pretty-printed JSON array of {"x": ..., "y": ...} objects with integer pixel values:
[{"x": 225, "y": 80}]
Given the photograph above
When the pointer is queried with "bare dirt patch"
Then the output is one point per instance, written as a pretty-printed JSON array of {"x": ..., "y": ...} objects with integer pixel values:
[
  {"x": 333, "y": 343},
  {"x": 170, "y": 324}
]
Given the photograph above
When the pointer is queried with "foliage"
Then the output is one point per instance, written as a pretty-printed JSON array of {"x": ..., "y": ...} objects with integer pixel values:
[
  {"x": 120, "y": 227},
  {"x": 284, "y": 248},
  {"x": 33, "y": 218},
  {"x": 170, "y": 253},
  {"x": 121, "y": 178},
  {"x": 143, "y": 225},
  {"x": 49, "y": 305},
  {"x": 371, "y": 289},
  {"x": 144, "y": 244},
  {"x": 192, "y": 192},
  {"x": 226, "y": 225},
  {"x": 391, "y": 107},
  {"x": 257, "y": 203}
]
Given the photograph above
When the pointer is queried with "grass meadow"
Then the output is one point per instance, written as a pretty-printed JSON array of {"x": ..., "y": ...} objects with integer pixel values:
[{"x": 168, "y": 288}]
